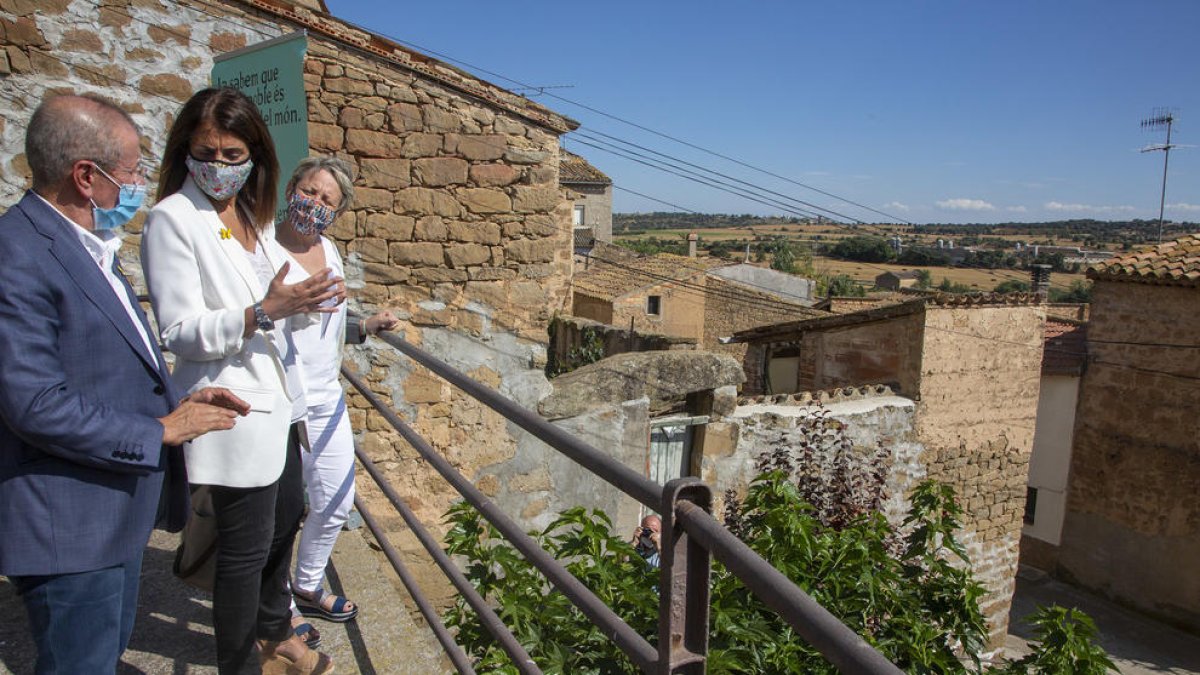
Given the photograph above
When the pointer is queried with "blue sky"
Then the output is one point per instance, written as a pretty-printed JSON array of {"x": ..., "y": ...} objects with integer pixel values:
[{"x": 931, "y": 111}]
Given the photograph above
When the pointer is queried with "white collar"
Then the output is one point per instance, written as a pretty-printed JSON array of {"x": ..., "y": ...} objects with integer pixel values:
[{"x": 102, "y": 247}]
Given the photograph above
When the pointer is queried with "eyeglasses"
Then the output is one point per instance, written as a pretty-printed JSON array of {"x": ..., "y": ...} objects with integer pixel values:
[{"x": 142, "y": 171}]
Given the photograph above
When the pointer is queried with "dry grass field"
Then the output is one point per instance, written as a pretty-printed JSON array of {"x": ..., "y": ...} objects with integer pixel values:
[
  {"x": 982, "y": 280},
  {"x": 977, "y": 279}
]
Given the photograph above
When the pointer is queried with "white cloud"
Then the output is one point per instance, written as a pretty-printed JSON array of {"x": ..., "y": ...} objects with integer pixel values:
[
  {"x": 965, "y": 205},
  {"x": 1087, "y": 208},
  {"x": 897, "y": 206},
  {"x": 1183, "y": 206},
  {"x": 1016, "y": 209}
]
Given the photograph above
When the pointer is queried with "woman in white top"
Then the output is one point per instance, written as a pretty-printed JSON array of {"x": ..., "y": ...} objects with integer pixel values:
[
  {"x": 319, "y": 191},
  {"x": 216, "y": 279}
]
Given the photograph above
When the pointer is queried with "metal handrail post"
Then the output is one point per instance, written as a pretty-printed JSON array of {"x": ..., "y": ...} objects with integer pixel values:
[
  {"x": 487, "y": 617},
  {"x": 457, "y": 656},
  {"x": 615, "y": 473},
  {"x": 635, "y": 646},
  {"x": 684, "y": 575}
]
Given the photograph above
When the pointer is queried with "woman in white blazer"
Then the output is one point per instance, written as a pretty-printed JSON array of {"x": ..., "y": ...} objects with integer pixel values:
[{"x": 216, "y": 281}]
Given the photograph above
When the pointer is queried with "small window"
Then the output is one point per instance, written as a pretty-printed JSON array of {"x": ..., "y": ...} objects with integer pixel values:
[
  {"x": 1030, "y": 504},
  {"x": 577, "y": 216},
  {"x": 654, "y": 305}
]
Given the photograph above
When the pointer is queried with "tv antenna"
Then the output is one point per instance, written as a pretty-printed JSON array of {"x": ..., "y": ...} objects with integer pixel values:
[{"x": 1159, "y": 119}]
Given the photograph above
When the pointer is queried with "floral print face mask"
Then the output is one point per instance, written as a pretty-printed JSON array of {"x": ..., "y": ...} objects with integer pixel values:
[
  {"x": 309, "y": 216},
  {"x": 218, "y": 179}
]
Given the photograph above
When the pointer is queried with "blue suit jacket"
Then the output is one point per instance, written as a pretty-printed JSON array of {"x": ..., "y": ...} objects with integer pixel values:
[{"x": 82, "y": 464}]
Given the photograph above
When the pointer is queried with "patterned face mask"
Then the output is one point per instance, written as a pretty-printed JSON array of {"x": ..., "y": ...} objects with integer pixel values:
[
  {"x": 218, "y": 179},
  {"x": 309, "y": 216}
]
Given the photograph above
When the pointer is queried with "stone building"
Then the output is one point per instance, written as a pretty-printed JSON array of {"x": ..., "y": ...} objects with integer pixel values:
[
  {"x": 1132, "y": 526},
  {"x": 699, "y": 298},
  {"x": 460, "y": 224},
  {"x": 894, "y": 281},
  {"x": 971, "y": 366},
  {"x": 591, "y": 191}
]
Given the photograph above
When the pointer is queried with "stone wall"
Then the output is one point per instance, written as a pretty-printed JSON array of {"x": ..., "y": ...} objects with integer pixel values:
[
  {"x": 980, "y": 375},
  {"x": 758, "y": 425},
  {"x": 681, "y": 309},
  {"x": 1132, "y": 528},
  {"x": 887, "y": 351},
  {"x": 570, "y": 335},
  {"x": 459, "y": 226},
  {"x": 147, "y": 56},
  {"x": 730, "y": 307}
]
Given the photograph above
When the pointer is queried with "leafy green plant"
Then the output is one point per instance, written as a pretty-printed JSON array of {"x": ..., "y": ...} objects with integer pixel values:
[
  {"x": 1066, "y": 644},
  {"x": 814, "y": 513}
]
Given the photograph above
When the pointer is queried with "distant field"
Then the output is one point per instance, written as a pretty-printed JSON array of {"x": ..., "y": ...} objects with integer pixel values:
[
  {"x": 980, "y": 279},
  {"x": 983, "y": 280},
  {"x": 815, "y": 233}
]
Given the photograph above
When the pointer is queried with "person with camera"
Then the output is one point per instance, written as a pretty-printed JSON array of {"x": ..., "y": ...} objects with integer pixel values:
[{"x": 647, "y": 539}]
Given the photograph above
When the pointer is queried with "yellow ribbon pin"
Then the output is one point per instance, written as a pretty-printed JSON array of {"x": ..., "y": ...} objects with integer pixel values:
[{"x": 225, "y": 233}]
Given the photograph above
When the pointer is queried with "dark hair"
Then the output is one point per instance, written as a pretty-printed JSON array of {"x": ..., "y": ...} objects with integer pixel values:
[{"x": 230, "y": 111}]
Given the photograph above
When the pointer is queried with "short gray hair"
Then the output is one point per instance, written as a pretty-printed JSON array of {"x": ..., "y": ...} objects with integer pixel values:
[
  {"x": 65, "y": 129},
  {"x": 337, "y": 167}
]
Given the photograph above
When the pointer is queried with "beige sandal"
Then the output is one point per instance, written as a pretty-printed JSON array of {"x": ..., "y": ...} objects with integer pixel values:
[{"x": 311, "y": 663}]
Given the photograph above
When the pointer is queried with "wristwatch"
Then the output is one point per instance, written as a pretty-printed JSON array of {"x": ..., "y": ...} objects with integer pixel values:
[{"x": 260, "y": 317}]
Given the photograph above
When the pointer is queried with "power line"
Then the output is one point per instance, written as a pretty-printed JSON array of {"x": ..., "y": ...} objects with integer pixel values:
[
  {"x": 592, "y": 136},
  {"x": 491, "y": 73}
]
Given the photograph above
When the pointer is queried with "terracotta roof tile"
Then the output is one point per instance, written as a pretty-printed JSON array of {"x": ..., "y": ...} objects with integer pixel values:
[
  {"x": 1065, "y": 350},
  {"x": 1174, "y": 263},
  {"x": 608, "y": 278},
  {"x": 574, "y": 169}
]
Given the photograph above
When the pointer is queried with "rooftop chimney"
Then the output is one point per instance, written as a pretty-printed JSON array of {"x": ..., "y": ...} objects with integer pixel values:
[
  {"x": 691, "y": 239},
  {"x": 1039, "y": 278}
]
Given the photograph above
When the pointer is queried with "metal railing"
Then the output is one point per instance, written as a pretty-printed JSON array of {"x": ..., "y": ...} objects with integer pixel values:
[{"x": 690, "y": 538}]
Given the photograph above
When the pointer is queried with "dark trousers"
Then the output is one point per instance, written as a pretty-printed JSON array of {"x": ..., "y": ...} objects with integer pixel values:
[
  {"x": 255, "y": 531},
  {"x": 81, "y": 622}
]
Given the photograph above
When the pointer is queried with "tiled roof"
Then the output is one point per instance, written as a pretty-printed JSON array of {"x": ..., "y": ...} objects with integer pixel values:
[
  {"x": 886, "y": 311},
  {"x": 1065, "y": 348},
  {"x": 574, "y": 169},
  {"x": 1175, "y": 263},
  {"x": 608, "y": 278}
]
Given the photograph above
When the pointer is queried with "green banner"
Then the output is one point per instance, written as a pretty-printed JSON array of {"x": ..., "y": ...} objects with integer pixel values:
[{"x": 271, "y": 73}]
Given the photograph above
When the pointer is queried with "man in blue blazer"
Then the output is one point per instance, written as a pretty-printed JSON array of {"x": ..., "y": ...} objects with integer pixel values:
[{"x": 91, "y": 425}]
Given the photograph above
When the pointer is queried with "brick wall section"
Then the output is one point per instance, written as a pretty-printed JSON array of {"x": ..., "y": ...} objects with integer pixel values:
[
  {"x": 1133, "y": 517},
  {"x": 980, "y": 376},
  {"x": 730, "y": 307}
]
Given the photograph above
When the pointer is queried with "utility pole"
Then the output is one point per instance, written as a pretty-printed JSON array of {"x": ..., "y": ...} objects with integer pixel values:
[{"x": 1161, "y": 118}]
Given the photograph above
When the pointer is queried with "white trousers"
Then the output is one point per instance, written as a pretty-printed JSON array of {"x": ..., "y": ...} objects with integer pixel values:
[{"x": 329, "y": 481}]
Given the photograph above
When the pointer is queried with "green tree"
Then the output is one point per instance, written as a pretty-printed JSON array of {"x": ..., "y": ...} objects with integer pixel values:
[
  {"x": 1012, "y": 286},
  {"x": 924, "y": 279},
  {"x": 1079, "y": 291},
  {"x": 843, "y": 286},
  {"x": 863, "y": 249}
]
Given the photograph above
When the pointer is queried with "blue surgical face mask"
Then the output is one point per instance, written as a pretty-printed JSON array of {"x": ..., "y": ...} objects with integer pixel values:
[{"x": 129, "y": 199}]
